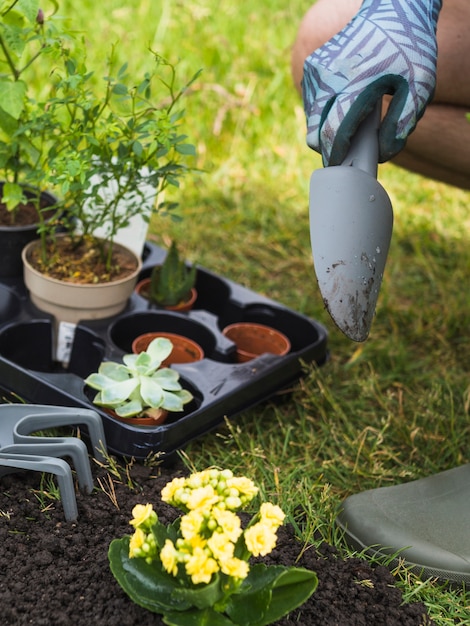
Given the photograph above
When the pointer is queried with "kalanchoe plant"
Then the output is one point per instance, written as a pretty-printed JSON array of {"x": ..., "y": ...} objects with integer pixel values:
[
  {"x": 139, "y": 385},
  {"x": 172, "y": 281},
  {"x": 196, "y": 571}
]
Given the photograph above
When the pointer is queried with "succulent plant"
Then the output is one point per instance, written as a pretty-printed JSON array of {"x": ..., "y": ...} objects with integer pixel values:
[
  {"x": 171, "y": 282},
  {"x": 139, "y": 383}
]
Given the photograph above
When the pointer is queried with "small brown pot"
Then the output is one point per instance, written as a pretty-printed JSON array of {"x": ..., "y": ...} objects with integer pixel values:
[
  {"x": 252, "y": 340},
  {"x": 143, "y": 288},
  {"x": 157, "y": 418},
  {"x": 185, "y": 350}
]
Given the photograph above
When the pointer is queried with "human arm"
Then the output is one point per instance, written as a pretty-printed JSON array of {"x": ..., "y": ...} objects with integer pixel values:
[{"x": 389, "y": 47}]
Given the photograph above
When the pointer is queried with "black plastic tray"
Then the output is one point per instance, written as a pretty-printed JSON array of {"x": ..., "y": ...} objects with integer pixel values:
[{"x": 221, "y": 387}]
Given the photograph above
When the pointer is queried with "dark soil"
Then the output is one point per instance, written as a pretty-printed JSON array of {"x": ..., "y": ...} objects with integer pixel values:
[
  {"x": 24, "y": 214},
  {"x": 56, "y": 573}
]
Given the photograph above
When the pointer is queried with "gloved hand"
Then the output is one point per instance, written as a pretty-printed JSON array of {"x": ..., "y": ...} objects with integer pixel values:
[{"x": 389, "y": 47}]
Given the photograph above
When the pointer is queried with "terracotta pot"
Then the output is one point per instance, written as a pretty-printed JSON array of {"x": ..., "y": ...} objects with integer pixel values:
[
  {"x": 252, "y": 340},
  {"x": 185, "y": 350},
  {"x": 157, "y": 419},
  {"x": 72, "y": 302},
  {"x": 143, "y": 288}
]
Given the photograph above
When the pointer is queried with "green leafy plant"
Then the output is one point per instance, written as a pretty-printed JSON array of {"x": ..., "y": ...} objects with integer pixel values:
[
  {"x": 107, "y": 147},
  {"x": 139, "y": 385},
  {"x": 29, "y": 47},
  {"x": 172, "y": 281},
  {"x": 196, "y": 570},
  {"x": 119, "y": 143}
]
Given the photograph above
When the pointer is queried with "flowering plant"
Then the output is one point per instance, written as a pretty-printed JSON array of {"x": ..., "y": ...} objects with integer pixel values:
[{"x": 196, "y": 570}]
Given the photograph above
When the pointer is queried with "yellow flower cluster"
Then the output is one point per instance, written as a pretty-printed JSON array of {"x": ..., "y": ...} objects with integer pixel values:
[
  {"x": 142, "y": 543},
  {"x": 211, "y": 537}
]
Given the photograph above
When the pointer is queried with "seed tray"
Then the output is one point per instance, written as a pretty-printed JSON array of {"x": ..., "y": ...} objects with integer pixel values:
[{"x": 44, "y": 364}]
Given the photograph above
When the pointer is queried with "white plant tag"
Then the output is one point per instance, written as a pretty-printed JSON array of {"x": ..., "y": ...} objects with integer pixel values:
[{"x": 65, "y": 337}]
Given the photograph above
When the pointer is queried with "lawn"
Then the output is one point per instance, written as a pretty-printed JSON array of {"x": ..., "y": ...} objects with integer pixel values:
[{"x": 392, "y": 409}]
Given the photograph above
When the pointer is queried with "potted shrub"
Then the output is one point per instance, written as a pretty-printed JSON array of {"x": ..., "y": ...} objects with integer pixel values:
[
  {"x": 26, "y": 40},
  {"x": 114, "y": 139},
  {"x": 171, "y": 284},
  {"x": 139, "y": 388}
]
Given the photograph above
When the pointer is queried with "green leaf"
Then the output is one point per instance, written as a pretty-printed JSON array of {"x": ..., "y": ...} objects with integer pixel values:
[
  {"x": 159, "y": 349},
  {"x": 119, "y": 392},
  {"x": 151, "y": 392},
  {"x": 289, "y": 588},
  {"x": 201, "y": 597},
  {"x": 8, "y": 124},
  {"x": 137, "y": 148},
  {"x": 12, "y": 195},
  {"x": 168, "y": 379},
  {"x": 146, "y": 585},
  {"x": 120, "y": 89},
  {"x": 113, "y": 370},
  {"x": 29, "y": 8},
  {"x": 195, "y": 617},
  {"x": 129, "y": 409},
  {"x": 12, "y": 96},
  {"x": 185, "y": 148},
  {"x": 172, "y": 402}
]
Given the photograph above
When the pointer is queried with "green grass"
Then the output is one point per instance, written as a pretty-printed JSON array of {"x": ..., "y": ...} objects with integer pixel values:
[{"x": 393, "y": 409}]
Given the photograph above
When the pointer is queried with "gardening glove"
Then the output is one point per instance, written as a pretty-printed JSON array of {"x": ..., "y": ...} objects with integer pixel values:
[{"x": 389, "y": 47}]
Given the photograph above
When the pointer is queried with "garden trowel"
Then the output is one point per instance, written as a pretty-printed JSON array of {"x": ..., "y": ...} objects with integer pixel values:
[{"x": 351, "y": 221}]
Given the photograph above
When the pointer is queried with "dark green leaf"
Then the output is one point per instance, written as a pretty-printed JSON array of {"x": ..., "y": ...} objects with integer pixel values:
[
  {"x": 186, "y": 148},
  {"x": 146, "y": 585},
  {"x": 202, "y": 597},
  {"x": 208, "y": 617},
  {"x": 289, "y": 588},
  {"x": 120, "y": 89}
]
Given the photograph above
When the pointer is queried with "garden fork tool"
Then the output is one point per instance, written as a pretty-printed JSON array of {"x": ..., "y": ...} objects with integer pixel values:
[{"x": 351, "y": 222}]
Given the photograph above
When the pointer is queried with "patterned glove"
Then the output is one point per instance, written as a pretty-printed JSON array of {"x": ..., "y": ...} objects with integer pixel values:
[{"x": 389, "y": 47}]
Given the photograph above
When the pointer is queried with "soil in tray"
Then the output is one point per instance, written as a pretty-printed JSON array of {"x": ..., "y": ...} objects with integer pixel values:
[{"x": 54, "y": 572}]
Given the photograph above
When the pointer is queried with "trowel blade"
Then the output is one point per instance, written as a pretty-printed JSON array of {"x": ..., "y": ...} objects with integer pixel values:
[{"x": 351, "y": 222}]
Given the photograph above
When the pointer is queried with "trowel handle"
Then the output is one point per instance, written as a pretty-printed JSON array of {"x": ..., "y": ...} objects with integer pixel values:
[{"x": 364, "y": 150}]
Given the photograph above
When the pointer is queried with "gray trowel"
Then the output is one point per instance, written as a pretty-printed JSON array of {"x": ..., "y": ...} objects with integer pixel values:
[{"x": 351, "y": 222}]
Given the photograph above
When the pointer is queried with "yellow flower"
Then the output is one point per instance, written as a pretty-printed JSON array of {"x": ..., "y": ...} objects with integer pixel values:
[
  {"x": 272, "y": 514},
  {"x": 260, "y": 539},
  {"x": 199, "y": 479},
  {"x": 200, "y": 567},
  {"x": 168, "y": 557},
  {"x": 169, "y": 490},
  {"x": 229, "y": 523},
  {"x": 244, "y": 485},
  {"x": 136, "y": 542},
  {"x": 236, "y": 568},
  {"x": 221, "y": 547},
  {"x": 196, "y": 541},
  {"x": 202, "y": 498},
  {"x": 142, "y": 513},
  {"x": 191, "y": 524}
]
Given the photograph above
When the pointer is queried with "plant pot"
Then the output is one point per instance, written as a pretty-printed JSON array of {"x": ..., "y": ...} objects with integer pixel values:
[
  {"x": 252, "y": 340},
  {"x": 72, "y": 302},
  {"x": 14, "y": 237},
  {"x": 143, "y": 288},
  {"x": 158, "y": 419},
  {"x": 185, "y": 350}
]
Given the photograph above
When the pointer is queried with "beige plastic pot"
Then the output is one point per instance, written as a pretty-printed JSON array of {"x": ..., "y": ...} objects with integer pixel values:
[{"x": 71, "y": 302}]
